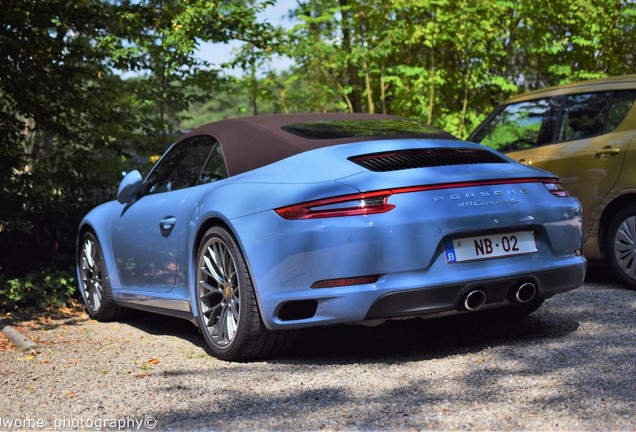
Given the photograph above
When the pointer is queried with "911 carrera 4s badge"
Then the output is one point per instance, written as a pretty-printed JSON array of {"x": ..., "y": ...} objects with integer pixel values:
[{"x": 490, "y": 246}]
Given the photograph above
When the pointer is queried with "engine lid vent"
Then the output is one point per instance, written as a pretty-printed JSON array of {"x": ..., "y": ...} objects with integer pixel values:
[{"x": 424, "y": 158}]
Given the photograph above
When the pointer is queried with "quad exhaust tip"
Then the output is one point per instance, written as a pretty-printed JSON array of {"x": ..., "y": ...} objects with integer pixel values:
[
  {"x": 522, "y": 292},
  {"x": 474, "y": 300},
  {"x": 525, "y": 292}
]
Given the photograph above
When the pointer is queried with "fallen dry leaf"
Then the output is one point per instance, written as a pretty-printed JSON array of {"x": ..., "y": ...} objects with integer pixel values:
[
  {"x": 65, "y": 310},
  {"x": 27, "y": 358},
  {"x": 6, "y": 344}
]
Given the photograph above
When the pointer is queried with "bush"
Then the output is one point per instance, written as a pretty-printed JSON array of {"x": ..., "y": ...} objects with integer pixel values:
[{"x": 40, "y": 289}]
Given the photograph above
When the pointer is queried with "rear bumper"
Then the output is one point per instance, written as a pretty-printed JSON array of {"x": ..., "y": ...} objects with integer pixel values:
[
  {"x": 446, "y": 298},
  {"x": 408, "y": 295}
]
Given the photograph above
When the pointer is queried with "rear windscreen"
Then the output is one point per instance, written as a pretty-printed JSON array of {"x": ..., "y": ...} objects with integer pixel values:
[{"x": 338, "y": 129}]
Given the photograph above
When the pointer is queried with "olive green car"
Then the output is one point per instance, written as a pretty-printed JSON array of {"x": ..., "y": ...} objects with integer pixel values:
[{"x": 585, "y": 133}]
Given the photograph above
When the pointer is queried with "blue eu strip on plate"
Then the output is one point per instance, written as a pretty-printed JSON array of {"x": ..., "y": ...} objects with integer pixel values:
[{"x": 449, "y": 251}]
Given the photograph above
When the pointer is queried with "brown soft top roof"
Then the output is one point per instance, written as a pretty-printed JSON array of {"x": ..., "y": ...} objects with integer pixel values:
[{"x": 252, "y": 142}]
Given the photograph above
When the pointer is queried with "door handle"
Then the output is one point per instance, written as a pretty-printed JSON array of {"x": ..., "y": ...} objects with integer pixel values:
[
  {"x": 167, "y": 223},
  {"x": 525, "y": 162},
  {"x": 607, "y": 151}
]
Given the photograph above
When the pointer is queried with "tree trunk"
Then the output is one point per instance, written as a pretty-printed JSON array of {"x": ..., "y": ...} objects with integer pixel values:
[
  {"x": 346, "y": 98},
  {"x": 254, "y": 92},
  {"x": 464, "y": 105},
  {"x": 351, "y": 78},
  {"x": 367, "y": 83},
  {"x": 382, "y": 91},
  {"x": 431, "y": 89}
]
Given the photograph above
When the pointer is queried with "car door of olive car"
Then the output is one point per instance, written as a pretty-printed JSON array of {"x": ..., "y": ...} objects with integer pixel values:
[
  {"x": 146, "y": 234},
  {"x": 572, "y": 140}
]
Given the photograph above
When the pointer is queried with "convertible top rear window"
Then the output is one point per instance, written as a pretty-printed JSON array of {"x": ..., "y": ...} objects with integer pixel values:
[{"x": 337, "y": 129}]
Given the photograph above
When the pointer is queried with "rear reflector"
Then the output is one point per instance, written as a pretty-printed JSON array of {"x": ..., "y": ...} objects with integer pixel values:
[{"x": 342, "y": 282}]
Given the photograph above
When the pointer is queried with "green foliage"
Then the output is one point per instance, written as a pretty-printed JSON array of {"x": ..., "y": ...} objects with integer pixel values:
[
  {"x": 91, "y": 88},
  {"x": 72, "y": 117},
  {"x": 39, "y": 289},
  {"x": 449, "y": 62}
]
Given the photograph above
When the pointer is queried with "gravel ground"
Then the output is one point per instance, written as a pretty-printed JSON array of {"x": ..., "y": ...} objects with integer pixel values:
[{"x": 570, "y": 366}]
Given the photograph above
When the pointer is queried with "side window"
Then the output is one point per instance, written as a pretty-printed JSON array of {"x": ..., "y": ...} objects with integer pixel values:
[
  {"x": 583, "y": 116},
  {"x": 622, "y": 102},
  {"x": 181, "y": 167},
  {"x": 214, "y": 168},
  {"x": 517, "y": 126}
]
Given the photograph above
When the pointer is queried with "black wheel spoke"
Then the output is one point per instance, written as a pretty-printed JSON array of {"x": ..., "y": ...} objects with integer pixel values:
[{"x": 213, "y": 313}]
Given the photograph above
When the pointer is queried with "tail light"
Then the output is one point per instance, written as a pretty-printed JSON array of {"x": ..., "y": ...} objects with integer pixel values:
[
  {"x": 347, "y": 205},
  {"x": 554, "y": 186},
  {"x": 368, "y": 203}
]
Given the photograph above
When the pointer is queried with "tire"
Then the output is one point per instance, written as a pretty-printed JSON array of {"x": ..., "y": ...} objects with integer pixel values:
[
  {"x": 228, "y": 313},
  {"x": 620, "y": 246},
  {"x": 94, "y": 282}
]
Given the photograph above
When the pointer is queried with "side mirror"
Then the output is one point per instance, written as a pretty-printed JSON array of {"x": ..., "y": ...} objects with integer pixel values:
[{"x": 130, "y": 187}]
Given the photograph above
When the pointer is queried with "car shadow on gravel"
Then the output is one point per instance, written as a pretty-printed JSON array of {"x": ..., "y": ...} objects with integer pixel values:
[
  {"x": 418, "y": 339},
  {"x": 164, "y": 325},
  {"x": 394, "y": 341}
]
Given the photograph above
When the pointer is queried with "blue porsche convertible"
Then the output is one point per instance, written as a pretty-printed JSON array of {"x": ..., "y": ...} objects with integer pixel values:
[{"x": 254, "y": 227}]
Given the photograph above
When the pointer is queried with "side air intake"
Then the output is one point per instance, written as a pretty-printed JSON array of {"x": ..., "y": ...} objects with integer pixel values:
[{"x": 424, "y": 158}]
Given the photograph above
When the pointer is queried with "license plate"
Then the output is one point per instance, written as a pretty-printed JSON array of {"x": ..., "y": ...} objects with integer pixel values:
[{"x": 490, "y": 246}]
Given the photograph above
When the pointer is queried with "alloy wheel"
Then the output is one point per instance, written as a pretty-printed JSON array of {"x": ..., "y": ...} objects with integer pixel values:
[
  {"x": 92, "y": 274},
  {"x": 219, "y": 292}
]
